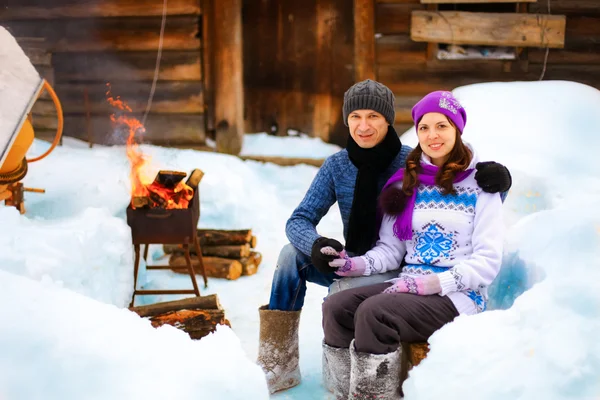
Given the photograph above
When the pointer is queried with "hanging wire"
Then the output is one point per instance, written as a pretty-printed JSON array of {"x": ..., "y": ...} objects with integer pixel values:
[
  {"x": 157, "y": 66},
  {"x": 547, "y": 49}
]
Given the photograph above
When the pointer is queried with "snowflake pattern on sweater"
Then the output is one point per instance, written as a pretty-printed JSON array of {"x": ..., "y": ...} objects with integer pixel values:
[{"x": 433, "y": 243}]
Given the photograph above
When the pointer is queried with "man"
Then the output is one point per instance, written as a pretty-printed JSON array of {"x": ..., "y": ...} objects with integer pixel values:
[{"x": 354, "y": 178}]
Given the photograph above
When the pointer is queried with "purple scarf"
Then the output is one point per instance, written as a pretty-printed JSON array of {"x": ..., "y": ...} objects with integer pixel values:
[{"x": 403, "y": 224}]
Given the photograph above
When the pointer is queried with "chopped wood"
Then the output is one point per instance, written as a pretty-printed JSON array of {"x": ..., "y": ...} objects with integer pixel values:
[
  {"x": 195, "y": 178},
  {"x": 140, "y": 201},
  {"x": 496, "y": 29},
  {"x": 197, "y": 323},
  {"x": 216, "y": 237},
  {"x": 253, "y": 241},
  {"x": 225, "y": 251},
  {"x": 209, "y": 302},
  {"x": 215, "y": 267},
  {"x": 417, "y": 352},
  {"x": 250, "y": 264}
]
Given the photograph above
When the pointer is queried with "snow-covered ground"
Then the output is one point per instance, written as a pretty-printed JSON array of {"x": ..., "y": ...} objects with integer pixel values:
[{"x": 66, "y": 269}]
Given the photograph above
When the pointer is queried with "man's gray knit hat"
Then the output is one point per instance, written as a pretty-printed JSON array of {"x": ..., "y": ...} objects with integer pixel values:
[{"x": 369, "y": 95}]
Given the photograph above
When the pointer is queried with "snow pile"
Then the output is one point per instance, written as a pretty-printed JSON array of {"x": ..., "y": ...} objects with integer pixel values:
[
  {"x": 61, "y": 345},
  {"x": 262, "y": 144},
  {"x": 545, "y": 345}
]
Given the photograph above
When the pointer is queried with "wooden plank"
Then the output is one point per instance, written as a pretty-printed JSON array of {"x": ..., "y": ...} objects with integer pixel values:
[
  {"x": 15, "y": 9},
  {"x": 208, "y": 302},
  {"x": 565, "y": 56},
  {"x": 364, "y": 40},
  {"x": 286, "y": 161},
  {"x": 569, "y": 7},
  {"x": 496, "y": 29},
  {"x": 169, "y": 97},
  {"x": 170, "y": 129},
  {"x": 323, "y": 102},
  {"x": 400, "y": 49},
  {"x": 475, "y": 1},
  {"x": 394, "y": 19},
  {"x": 207, "y": 66},
  {"x": 228, "y": 77},
  {"x": 127, "y": 66},
  {"x": 36, "y": 49},
  {"x": 106, "y": 34},
  {"x": 342, "y": 51}
]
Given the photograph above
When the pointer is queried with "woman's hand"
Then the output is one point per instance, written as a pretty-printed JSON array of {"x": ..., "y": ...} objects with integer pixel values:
[
  {"x": 422, "y": 285},
  {"x": 346, "y": 266}
]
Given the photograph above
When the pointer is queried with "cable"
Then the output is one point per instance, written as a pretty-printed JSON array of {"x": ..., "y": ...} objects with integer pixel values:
[
  {"x": 547, "y": 48},
  {"x": 158, "y": 56}
]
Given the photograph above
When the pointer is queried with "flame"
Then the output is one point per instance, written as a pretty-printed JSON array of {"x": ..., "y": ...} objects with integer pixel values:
[{"x": 141, "y": 183}]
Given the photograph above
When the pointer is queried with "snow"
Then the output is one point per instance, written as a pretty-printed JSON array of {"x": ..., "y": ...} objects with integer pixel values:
[
  {"x": 302, "y": 146},
  {"x": 66, "y": 266},
  {"x": 19, "y": 82}
]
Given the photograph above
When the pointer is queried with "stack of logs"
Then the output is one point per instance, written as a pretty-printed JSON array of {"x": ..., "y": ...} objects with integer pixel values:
[
  {"x": 198, "y": 316},
  {"x": 226, "y": 253}
]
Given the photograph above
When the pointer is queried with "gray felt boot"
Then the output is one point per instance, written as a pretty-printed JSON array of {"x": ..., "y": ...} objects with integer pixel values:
[
  {"x": 374, "y": 376},
  {"x": 278, "y": 352},
  {"x": 336, "y": 370}
]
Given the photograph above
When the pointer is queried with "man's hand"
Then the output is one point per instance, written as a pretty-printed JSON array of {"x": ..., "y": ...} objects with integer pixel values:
[
  {"x": 422, "y": 285},
  {"x": 346, "y": 266},
  {"x": 493, "y": 177},
  {"x": 321, "y": 260}
]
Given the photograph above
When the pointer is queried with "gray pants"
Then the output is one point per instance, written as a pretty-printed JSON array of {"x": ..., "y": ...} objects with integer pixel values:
[
  {"x": 379, "y": 321},
  {"x": 357, "y": 281}
]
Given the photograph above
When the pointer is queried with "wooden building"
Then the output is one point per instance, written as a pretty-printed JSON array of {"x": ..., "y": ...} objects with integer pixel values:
[{"x": 282, "y": 66}]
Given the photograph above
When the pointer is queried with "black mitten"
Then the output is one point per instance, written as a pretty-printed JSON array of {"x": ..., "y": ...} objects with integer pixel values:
[
  {"x": 493, "y": 177},
  {"x": 320, "y": 260}
]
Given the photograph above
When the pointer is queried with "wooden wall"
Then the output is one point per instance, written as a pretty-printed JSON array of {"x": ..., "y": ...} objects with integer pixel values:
[
  {"x": 298, "y": 62},
  {"x": 95, "y": 42},
  {"x": 410, "y": 69}
]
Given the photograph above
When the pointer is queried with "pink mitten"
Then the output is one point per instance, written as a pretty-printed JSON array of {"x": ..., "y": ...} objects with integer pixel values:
[
  {"x": 346, "y": 266},
  {"x": 422, "y": 285}
]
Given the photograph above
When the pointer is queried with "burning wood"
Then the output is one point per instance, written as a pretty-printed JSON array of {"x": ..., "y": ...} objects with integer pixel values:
[{"x": 168, "y": 190}]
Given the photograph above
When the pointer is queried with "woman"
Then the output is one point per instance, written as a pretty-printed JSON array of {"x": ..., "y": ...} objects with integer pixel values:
[{"x": 449, "y": 234}]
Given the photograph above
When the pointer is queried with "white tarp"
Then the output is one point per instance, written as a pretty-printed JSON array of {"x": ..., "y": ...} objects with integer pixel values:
[{"x": 19, "y": 87}]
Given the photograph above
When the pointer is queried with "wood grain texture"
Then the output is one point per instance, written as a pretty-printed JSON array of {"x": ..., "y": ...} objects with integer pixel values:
[{"x": 496, "y": 29}]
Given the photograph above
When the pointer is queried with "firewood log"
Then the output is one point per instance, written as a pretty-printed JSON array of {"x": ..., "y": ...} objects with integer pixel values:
[
  {"x": 253, "y": 242},
  {"x": 216, "y": 237},
  {"x": 234, "y": 251},
  {"x": 197, "y": 323},
  {"x": 250, "y": 264},
  {"x": 210, "y": 302},
  {"x": 215, "y": 267},
  {"x": 195, "y": 178}
]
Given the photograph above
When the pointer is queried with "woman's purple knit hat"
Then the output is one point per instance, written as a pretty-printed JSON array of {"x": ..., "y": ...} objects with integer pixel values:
[{"x": 441, "y": 102}]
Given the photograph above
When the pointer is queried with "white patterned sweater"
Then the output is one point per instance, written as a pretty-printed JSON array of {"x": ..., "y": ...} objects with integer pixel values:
[{"x": 457, "y": 236}]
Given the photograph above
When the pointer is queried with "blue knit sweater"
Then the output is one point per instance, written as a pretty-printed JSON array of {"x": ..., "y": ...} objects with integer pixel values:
[{"x": 334, "y": 182}]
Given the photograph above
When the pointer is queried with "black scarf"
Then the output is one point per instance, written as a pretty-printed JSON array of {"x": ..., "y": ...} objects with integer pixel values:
[{"x": 370, "y": 163}]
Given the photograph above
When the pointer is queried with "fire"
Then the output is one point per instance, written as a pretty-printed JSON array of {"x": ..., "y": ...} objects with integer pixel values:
[{"x": 142, "y": 186}]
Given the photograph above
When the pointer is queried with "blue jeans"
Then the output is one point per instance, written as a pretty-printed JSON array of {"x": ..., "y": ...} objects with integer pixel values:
[{"x": 294, "y": 269}]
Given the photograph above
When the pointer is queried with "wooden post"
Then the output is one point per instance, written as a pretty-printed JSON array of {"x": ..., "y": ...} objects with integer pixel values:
[
  {"x": 364, "y": 39},
  {"x": 228, "y": 75},
  {"x": 208, "y": 52}
]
